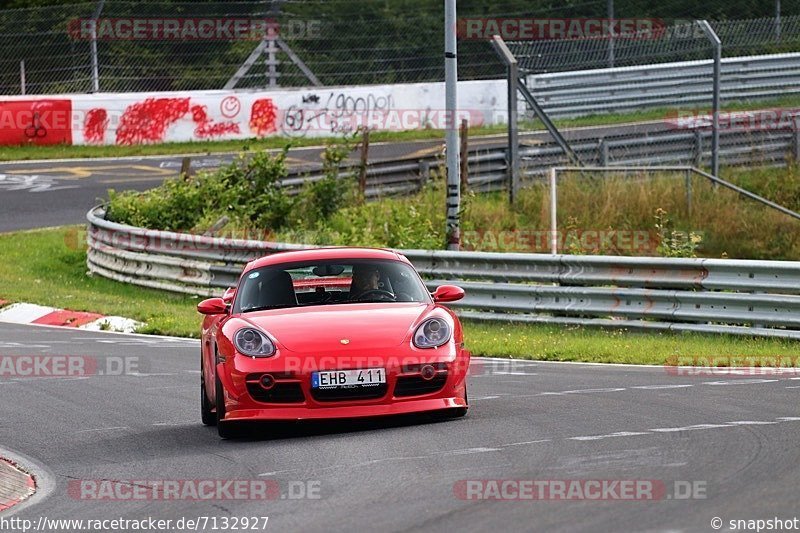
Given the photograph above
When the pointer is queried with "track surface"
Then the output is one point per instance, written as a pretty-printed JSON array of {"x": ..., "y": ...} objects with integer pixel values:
[
  {"x": 52, "y": 193},
  {"x": 530, "y": 421}
]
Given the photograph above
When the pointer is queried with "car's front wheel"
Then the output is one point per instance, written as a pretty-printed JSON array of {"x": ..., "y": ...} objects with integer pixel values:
[
  {"x": 225, "y": 429},
  {"x": 206, "y": 409}
]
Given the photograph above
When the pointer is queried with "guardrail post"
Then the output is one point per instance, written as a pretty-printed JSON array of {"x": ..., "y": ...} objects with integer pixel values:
[
  {"x": 602, "y": 152},
  {"x": 464, "y": 155},
  {"x": 424, "y": 173},
  {"x": 186, "y": 169},
  {"x": 796, "y": 140},
  {"x": 698, "y": 148},
  {"x": 362, "y": 171}
]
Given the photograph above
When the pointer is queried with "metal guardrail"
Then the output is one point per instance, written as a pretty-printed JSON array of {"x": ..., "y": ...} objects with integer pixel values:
[
  {"x": 758, "y": 298},
  {"x": 656, "y": 143},
  {"x": 666, "y": 85}
]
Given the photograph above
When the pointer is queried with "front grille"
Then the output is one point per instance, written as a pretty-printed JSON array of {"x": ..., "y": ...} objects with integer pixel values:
[
  {"x": 280, "y": 393},
  {"x": 416, "y": 386},
  {"x": 369, "y": 392}
]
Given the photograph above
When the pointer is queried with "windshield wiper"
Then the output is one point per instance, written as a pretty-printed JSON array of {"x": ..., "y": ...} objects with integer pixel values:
[{"x": 266, "y": 307}]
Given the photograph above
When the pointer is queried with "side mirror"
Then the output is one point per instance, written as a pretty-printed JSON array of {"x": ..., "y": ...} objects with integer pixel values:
[
  {"x": 448, "y": 293},
  {"x": 229, "y": 295},
  {"x": 212, "y": 306}
]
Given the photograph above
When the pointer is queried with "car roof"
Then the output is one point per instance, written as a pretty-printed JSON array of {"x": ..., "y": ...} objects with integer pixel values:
[{"x": 321, "y": 254}]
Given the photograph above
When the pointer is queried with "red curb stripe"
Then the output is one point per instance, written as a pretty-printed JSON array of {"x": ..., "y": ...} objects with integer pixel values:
[
  {"x": 29, "y": 482},
  {"x": 71, "y": 319}
]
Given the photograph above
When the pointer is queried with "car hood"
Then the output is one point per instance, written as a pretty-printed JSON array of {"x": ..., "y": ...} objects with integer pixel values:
[{"x": 323, "y": 328}]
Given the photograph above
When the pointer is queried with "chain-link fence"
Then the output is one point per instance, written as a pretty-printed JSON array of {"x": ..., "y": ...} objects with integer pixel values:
[{"x": 343, "y": 42}]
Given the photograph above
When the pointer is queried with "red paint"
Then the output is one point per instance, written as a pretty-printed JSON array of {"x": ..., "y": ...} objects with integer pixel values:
[
  {"x": 331, "y": 337},
  {"x": 207, "y": 128},
  {"x": 40, "y": 122},
  {"x": 263, "y": 116},
  {"x": 148, "y": 121},
  {"x": 95, "y": 125},
  {"x": 72, "y": 319}
]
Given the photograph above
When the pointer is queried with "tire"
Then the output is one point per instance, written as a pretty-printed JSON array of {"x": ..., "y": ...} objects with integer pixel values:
[
  {"x": 207, "y": 413},
  {"x": 224, "y": 429}
]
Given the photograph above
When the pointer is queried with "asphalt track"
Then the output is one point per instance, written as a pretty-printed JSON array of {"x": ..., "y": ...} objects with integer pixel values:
[
  {"x": 733, "y": 437},
  {"x": 36, "y": 194}
]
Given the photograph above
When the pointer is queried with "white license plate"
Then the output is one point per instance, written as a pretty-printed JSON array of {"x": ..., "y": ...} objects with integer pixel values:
[{"x": 348, "y": 378}]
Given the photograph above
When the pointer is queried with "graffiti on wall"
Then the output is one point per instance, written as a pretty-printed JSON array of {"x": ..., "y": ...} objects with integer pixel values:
[{"x": 335, "y": 112}]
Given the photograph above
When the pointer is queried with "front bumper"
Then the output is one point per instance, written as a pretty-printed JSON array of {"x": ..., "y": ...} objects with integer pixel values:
[{"x": 292, "y": 397}]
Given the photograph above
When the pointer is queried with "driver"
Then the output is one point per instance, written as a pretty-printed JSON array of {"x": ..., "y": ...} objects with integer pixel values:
[{"x": 365, "y": 279}]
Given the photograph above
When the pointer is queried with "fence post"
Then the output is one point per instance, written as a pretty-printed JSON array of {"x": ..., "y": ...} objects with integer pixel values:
[
  {"x": 95, "y": 59},
  {"x": 778, "y": 20},
  {"x": 22, "y": 88},
  {"x": 553, "y": 212},
  {"x": 610, "y": 8},
  {"x": 717, "y": 44},
  {"x": 464, "y": 155},
  {"x": 689, "y": 193}
]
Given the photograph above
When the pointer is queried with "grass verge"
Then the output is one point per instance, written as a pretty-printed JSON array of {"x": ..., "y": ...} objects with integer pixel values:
[
  {"x": 26, "y": 152},
  {"x": 48, "y": 267}
]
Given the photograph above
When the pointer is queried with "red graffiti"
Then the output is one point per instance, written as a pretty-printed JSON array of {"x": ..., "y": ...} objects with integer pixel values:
[
  {"x": 262, "y": 117},
  {"x": 207, "y": 128},
  {"x": 147, "y": 122},
  {"x": 94, "y": 127}
]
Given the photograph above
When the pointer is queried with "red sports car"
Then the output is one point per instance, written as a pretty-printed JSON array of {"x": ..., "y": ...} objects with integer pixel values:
[{"x": 330, "y": 333}]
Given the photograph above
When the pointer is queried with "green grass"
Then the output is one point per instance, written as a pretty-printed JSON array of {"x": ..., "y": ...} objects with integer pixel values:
[
  {"x": 25, "y": 152},
  {"x": 48, "y": 267}
]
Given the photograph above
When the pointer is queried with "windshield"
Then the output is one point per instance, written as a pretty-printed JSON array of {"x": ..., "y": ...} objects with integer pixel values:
[{"x": 329, "y": 283}]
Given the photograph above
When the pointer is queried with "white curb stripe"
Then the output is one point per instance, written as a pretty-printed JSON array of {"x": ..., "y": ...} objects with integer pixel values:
[{"x": 24, "y": 313}]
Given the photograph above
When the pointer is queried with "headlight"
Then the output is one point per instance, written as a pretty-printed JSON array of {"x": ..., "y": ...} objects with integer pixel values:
[
  {"x": 432, "y": 333},
  {"x": 250, "y": 341}
]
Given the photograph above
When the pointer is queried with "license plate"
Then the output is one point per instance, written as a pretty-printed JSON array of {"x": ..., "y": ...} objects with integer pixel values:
[{"x": 348, "y": 378}]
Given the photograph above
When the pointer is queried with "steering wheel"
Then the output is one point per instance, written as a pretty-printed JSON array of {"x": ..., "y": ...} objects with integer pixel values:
[{"x": 378, "y": 292}]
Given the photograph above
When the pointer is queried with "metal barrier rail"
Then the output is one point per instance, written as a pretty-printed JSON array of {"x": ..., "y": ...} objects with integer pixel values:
[
  {"x": 649, "y": 143},
  {"x": 585, "y": 92},
  {"x": 759, "y": 298}
]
